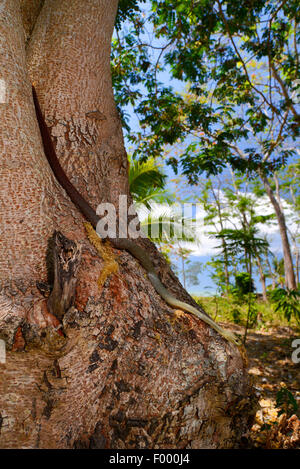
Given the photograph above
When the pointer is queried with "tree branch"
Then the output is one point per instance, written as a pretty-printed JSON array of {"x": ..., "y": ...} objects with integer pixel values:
[
  {"x": 242, "y": 60},
  {"x": 284, "y": 91}
]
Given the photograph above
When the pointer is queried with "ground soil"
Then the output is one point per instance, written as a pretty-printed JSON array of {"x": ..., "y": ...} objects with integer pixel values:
[{"x": 272, "y": 369}]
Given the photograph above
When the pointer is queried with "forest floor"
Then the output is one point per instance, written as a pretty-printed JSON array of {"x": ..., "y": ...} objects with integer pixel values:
[{"x": 276, "y": 379}]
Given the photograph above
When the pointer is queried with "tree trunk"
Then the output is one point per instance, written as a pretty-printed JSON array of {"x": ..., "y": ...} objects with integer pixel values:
[
  {"x": 290, "y": 280},
  {"x": 262, "y": 279},
  {"x": 271, "y": 274},
  {"x": 297, "y": 265},
  {"x": 224, "y": 246},
  {"x": 294, "y": 238},
  {"x": 183, "y": 270},
  {"x": 118, "y": 369}
]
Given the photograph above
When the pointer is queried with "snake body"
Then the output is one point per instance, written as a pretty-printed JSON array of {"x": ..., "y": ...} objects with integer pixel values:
[{"x": 124, "y": 244}]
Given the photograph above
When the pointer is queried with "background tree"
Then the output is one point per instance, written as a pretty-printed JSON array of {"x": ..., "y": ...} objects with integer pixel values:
[
  {"x": 245, "y": 241},
  {"x": 288, "y": 183},
  {"x": 217, "y": 215},
  {"x": 230, "y": 202}
]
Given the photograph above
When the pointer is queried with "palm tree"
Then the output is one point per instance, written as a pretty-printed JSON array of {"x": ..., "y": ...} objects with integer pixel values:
[
  {"x": 244, "y": 243},
  {"x": 278, "y": 266},
  {"x": 147, "y": 182},
  {"x": 161, "y": 219}
]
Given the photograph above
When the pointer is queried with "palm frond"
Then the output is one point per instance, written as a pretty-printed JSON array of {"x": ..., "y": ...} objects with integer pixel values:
[
  {"x": 168, "y": 227},
  {"x": 146, "y": 178}
]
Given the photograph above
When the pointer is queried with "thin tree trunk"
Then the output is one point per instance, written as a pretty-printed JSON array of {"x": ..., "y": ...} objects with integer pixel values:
[
  {"x": 262, "y": 279},
  {"x": 224, "y": 246},
  {"x": 294, "y": 238},
  {"x": 226, "y": 273},
  {"x": 183, "y": 271},
  {"x": 290, "y": 280},
  {"x": 271, "y": 273},
  {"x": 249, "y": 300}
]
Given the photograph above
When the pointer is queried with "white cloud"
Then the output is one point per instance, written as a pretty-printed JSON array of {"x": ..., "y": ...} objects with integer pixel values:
[
  {"x": 207, "y": 245},
  {"x": 270, "y": 230}
]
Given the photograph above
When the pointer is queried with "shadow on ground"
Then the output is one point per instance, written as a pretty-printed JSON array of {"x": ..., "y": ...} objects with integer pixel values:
[{"x": 272, "y": 369}]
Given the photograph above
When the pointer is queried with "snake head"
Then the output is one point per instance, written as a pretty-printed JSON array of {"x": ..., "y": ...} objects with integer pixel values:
[
  {"x": 238, "y": 340},
  {"x": 235, "y": 339}
]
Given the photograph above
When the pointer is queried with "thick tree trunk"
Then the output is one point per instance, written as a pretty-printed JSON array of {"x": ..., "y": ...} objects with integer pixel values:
[
  {"x": 121, "y": 370},
  {"x": 290, "y": 280}
]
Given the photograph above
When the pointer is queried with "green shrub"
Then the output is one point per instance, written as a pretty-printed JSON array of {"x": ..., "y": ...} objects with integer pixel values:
[
  {"x": 287, "y": 302},
  {"x": 243, "y": 284},
  {"x": 285, "y": 402}
]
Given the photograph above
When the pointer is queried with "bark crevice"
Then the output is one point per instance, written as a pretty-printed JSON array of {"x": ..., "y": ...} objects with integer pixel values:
[{"x": 65, "y": 259}]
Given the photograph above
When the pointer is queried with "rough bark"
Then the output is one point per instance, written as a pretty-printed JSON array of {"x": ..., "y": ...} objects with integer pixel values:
[
  {"x": 122, "y": 370},
  {"x": 66, "y": 256}
]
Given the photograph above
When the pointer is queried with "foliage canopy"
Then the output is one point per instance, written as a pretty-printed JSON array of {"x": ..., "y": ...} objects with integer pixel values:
[{"x": 239, "y": 60}]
